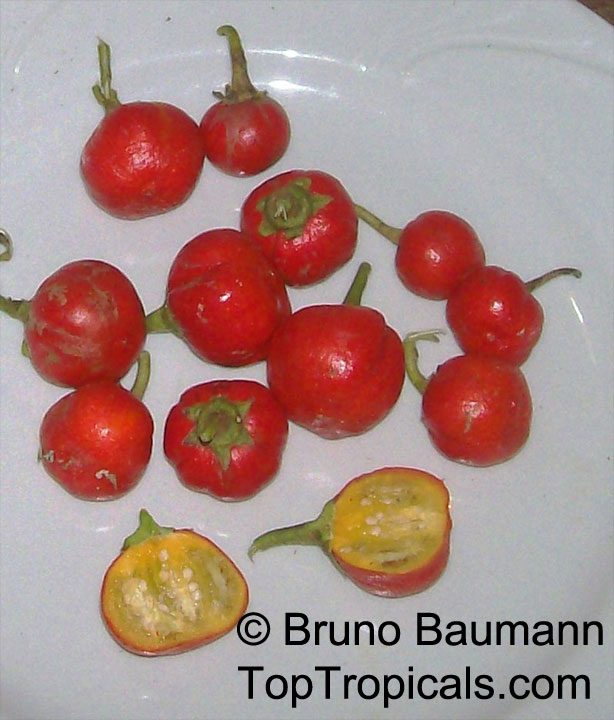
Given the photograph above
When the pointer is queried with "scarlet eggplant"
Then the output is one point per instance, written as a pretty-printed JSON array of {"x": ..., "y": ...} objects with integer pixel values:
[
  {"x": 477, "y": 409},
  {"x": 493, "y": 312},
  {"x": 304, "y": 222},
  {"x": 223, "y": 299},
  {"x": 434, "y": 251},
  {"x": 84, "y": 323},
  {"x": 226, "y": 438},
  {"x": 246, "y": 131},
  {"x": 96, "y": 441},
  {"x": 387, "y": 530},
  {"x": 170, "y": 591},
  {"x": 143, "y": 158},
  {"x": 337, "y": 369}
]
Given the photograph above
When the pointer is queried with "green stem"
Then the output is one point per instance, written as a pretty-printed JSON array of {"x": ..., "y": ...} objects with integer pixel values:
[
  {"x": 390, "y": 233},
  {"x": 103, "y": 91},
  {"x": 161, "y": 321},
  {"x": 418, "y": 380},
  {"x": 143, "y": 371},
  {"x": 241, "y": 87},
  {"x": 17, "y": 309},
  {"x": 147, "y": 528},
  {"x": 314, "y": 532},
  {"x": 354, "y": 294},
  {"x": 7, "y": 244},
  {"x": 537, "y": 282}
]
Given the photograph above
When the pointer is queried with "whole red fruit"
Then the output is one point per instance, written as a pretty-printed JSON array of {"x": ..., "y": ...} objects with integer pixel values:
[
  {"x": 96, "y": 441},
  {"x": 435, "y": 251},
  {"x": 223, "y": 299},
  {"x": 477, "y": 410},
  {"x": 337, "y": 369},
  {"x": 492, "y": 312},
  {"x": 143, "y": 158},
  {"x": 305, "y": 223},
  {"x": 246, "y": 131},
  {"x": 226, "y": 438},
  {"x": 84, "y": 323}
]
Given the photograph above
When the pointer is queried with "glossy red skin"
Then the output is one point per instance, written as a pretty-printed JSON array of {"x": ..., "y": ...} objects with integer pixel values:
[
  {"x": 143, "y": 159},
  {"x": 477, "y": 409},
  {"x": 435, "y": 251},
  {"x": 394, "y": 585},
  {"x": 337, "y": 369},
  {"x": 95, "y": 432},
  {"x": 246, "y": 137},
  {"x": 328, "y": 239},
  {"x": 493, "y": 313},
  {"x": 251, "y": 466},
  {"x": 85, "y": 323},
  {"x": 226, "y": 298}
]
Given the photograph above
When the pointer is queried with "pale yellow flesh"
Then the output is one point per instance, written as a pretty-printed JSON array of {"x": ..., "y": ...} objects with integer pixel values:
[
  {"x": 172, "y": 589},
  {"x": 391, "y": 520}
]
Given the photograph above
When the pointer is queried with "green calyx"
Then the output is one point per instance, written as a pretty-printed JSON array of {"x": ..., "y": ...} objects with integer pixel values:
[
  {"x": 288, "y": 208},
  {"x": 219, "y": 425},
  {"x": 314, "y": 532},
  {"x": 147, "y": 529},
  {"x": 241, "y": 87}
]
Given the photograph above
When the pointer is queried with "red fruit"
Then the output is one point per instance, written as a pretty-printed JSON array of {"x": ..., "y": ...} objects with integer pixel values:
[
  {"x": 223, "y": 299},
  {"x": 305, "y": 223},
  {"x": 477, "y": 409},
  {"x": 97, "y": 440},
  {"x": 246, "y": 131},
  {"x": 85, "y": 323},
  {"x": 388, "y": 531},
  {"x": 492, "y": 312},
  {"x": 170, "y": 591},
  {"x": 434, "y": 251},
  {"x": 144, "y": 158},
  {"x": 336, "y": 369},
  {"x": 226, "y": 438}
]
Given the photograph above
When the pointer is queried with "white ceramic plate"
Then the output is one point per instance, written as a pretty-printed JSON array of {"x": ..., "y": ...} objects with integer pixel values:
[{"x": 500, "y": 112}]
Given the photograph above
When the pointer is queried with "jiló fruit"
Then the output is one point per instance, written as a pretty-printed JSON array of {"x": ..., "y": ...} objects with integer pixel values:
[
  {"x": 84, "y": 323},
  {"x": 170, "y": 590},
  {"x": 388, "y": 531},
  {"x": 434, "y": 250},
  {"x": 96, "y": 441},
  {"x": 337, "y": 369},
  {"x": 143, "y": 158},
  {"x": 476, "y": 409},
  {"x": 246, "y": 131}
]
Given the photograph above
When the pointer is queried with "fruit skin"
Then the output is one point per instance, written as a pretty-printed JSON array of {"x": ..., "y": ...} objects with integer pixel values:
[
  {"x": 84, "y": 323},
  {"x": 305, "y": 223},
  {"x": 245, "y": 138},
  {"x": 336, "y": 369},
  {"x": 232, "y": 461},
  {"x": 96, "y": 441},
  {"x": 143, "y": 159},
  {"x": 224, "y": 299},
  {"x": 417, "y": 495},
  {"x": 435, "y": 251},
  {"x": 140, "y": 558},
  {"x": 477, "y": 410}
]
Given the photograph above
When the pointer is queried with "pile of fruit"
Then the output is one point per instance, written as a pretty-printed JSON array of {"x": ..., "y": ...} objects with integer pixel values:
[{"x": 335, "y": 369}]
